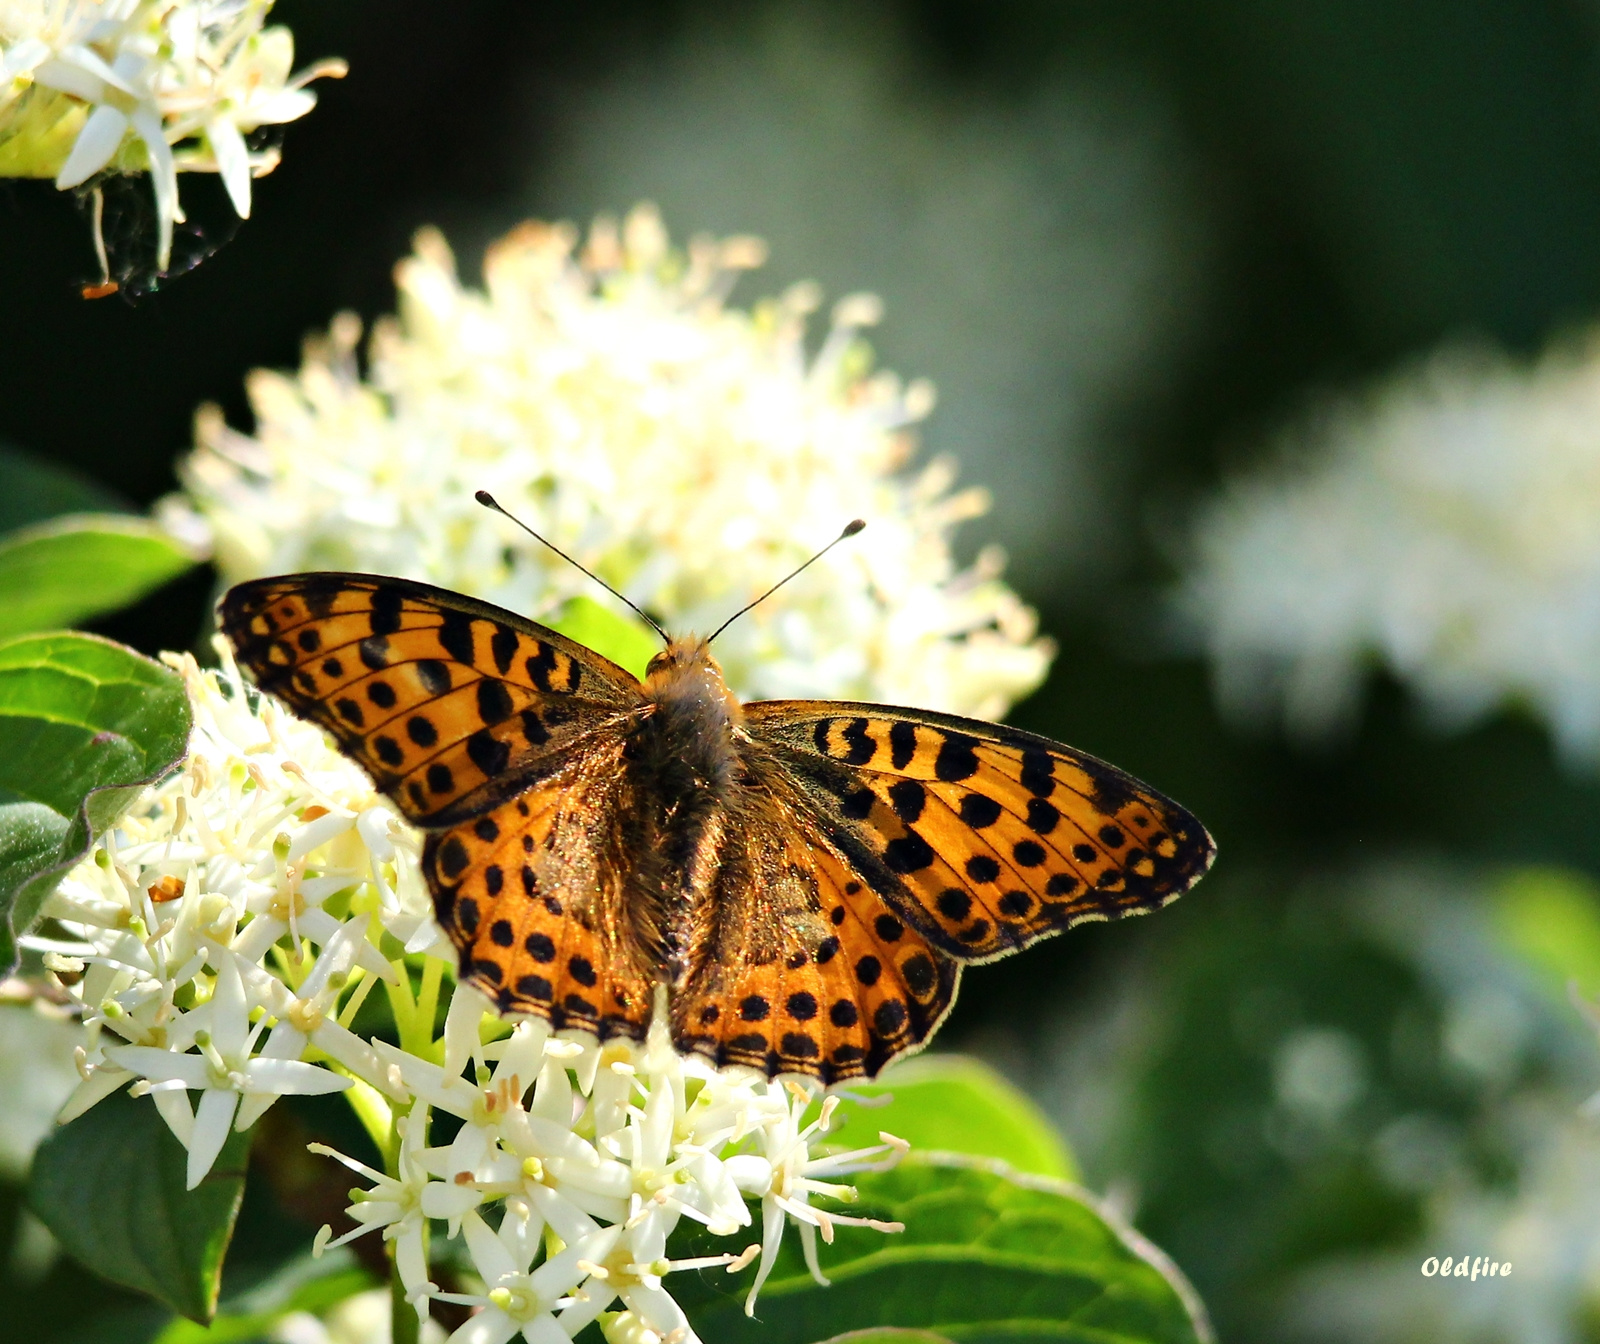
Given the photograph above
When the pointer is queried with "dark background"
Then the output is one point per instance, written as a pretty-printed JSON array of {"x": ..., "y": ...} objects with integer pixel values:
[{"x": 1376, "y": 178}]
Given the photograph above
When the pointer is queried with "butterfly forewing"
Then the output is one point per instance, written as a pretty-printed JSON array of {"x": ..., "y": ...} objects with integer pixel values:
[
  {"x": 448, "y": 703},
  {"x": 986, "y": 838}
]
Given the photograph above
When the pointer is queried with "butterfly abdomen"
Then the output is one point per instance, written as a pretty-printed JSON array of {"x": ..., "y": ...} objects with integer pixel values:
[{"x": 684, "y": 760}]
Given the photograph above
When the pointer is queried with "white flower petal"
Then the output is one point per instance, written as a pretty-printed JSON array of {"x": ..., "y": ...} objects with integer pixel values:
[
  {"x": 292, "y": 1077},
  {"x": 542, "y": 1329},
  {"x": 160, "y": 1065},
  {"x": 163, "y": 178},
  {"x": 489, "y": 1326},
  {"x": 488, "y": 1254},
  {"x": 23, "y": 56},
  {"x": 213, "y": 1119},
  {"x": 177, "y": 1112},
  {"x": 98, "y": 140}
]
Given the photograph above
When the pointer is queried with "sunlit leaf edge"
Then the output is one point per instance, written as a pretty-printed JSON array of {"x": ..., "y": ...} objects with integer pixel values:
[
  {"x": 162, "y": 558},
  {"x": 796, "y": 1284}
]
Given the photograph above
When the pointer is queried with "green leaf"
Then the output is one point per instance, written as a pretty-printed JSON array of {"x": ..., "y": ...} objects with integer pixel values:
[
  {"x": 64, "y": 571},
  {"x": 953, "y": 1103},
  {"x": 32, "y": 489},
  {"x": 888, "y": 1334},
  {"x": 620, "y": 638},
  {"x": 1550, "y": 917},
  {"x": 84, "y": 724},
  {"x": 304, "y": 1284},
  {"x": 987, "y": 1254},
  {"x": 110, "y": 1186}
]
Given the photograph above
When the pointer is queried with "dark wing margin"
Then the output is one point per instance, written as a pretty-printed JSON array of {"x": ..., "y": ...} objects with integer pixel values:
[
  {"x": 986, "y": 838},
  {"x": 451, "y": 704}
]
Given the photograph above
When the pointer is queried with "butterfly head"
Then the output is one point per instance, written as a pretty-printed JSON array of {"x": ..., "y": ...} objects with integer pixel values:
[{"x": 684, "y": 674}]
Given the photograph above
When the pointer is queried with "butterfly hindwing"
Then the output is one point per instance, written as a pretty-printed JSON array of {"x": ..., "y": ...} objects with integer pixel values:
[
  {"x": 450, "y": 704},
  {"x": 803, "y": 969},
  {"x": 538, "y": 917},
  {"x": 987, "y": 838}
]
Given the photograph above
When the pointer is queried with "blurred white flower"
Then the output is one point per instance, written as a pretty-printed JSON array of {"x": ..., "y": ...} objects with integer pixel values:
[
  {"x": 690, "y": 453},
  {"x": 1039, "y": 241},
  {"x": 168, "y": 86},
  {"x": 1545, "y": 1226},
  {"x": 36, "y": 1076},
  {"x": 1445, "y": 523}
]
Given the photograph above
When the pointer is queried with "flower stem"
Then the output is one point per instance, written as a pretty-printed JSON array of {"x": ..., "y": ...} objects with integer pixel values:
[{"x": 404, "y": 1324}]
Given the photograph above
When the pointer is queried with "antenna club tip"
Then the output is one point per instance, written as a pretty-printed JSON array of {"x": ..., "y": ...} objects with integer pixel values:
[
  {"x": 853, "y": 526},
  {"x": 486, "y": 499}
]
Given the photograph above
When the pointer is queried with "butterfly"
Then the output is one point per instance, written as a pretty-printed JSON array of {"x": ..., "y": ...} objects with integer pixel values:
[{"x": 807, "y": 878}]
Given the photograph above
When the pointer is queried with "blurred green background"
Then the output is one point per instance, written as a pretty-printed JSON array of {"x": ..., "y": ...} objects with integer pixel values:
[{"x": 1128, "y": 241}]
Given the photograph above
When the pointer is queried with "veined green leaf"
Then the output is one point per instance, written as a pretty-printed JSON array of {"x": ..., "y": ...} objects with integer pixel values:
[
  {"x": 954, "y": 1103},
  {"x": 988, "y": 1254},
  {"x": 110, "y": 1186},
  {"x": 84, "y": 724}
]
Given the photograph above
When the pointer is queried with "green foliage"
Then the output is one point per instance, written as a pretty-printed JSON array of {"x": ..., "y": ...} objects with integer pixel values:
[
  {"x": 84, "y": 723},
  {"x": 1550, "y": 917},
  {"x": 32, "y": 489},
  {"x": 620, "y": 638},
  {"x": 888, "y": 1334},
  {"x": 110, "y": 1186},
  {"x": 301, "y": 1285},
  {"x": 956, "y": 1104},
  {"x": 987, "y": 1254},
  {"x": 57, "y": 573}
]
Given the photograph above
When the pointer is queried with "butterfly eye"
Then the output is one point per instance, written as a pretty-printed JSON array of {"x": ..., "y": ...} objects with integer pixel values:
[{"x": 659, "y": 663}]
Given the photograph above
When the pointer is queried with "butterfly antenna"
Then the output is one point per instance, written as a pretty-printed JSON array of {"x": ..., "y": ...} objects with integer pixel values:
[
  {"x": 489, "y": 502},
  {"x": 850, "y": 529}
]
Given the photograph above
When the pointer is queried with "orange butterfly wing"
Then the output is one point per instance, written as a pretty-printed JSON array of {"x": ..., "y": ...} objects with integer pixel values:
[
  {"x": 984, "y": 838},
  {"x": 451, "y": 705},
  {"x": 802, "y": 968},
  {"x": 867, "y": 852},
  {"x": 540, "y": 915},
  {"x": 502, "y": 731}
]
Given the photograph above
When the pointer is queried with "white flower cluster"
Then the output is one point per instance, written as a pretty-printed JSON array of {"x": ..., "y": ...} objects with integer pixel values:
[
  {"x": 689, "y": 452},
  {"x": 165, "y": 85},
  {"x": 222, "y": 939},
  {"x": 1445, "y": 524}
]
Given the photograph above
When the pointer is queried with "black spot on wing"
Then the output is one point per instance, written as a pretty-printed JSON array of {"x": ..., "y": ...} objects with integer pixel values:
[
  {"x": 455, "y": 636},
  {"x": 902, "y": 744},
  {"x": 540, "y": 665},
  {"x": 488, "y": 753},
  {"x": 434, "y": 676},
  {"x": 957, "y": 758},
  {"x": 503, "y": 648},
  {"x": 494, "y": 701},
  {"x": 386, "y": 608}
]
